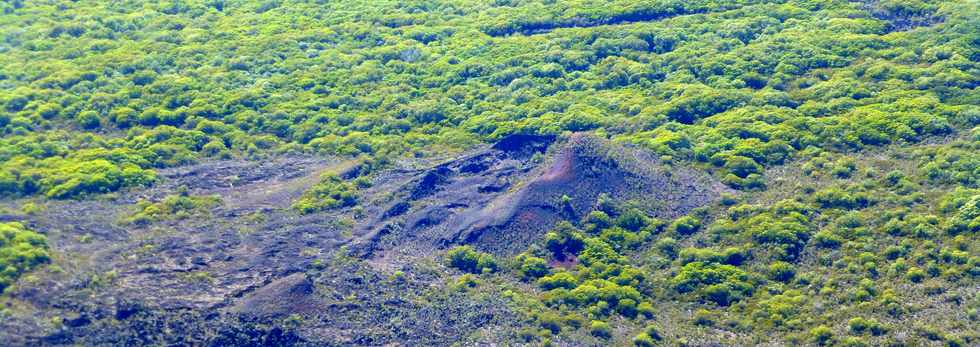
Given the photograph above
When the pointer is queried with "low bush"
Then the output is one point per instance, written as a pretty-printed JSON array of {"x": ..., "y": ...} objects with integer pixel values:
[
  {"x": 21, "y": 250},
  {"x": 718, "y": 283},
  {"x": 532, "y": 267},
  {"x": 467, "y": 259},
  {"x": 685, "y": 225},
  {"x": 600, "y": 329},
  {"x": 177, "y": 206},
  {"x": 330, "y": 193}
]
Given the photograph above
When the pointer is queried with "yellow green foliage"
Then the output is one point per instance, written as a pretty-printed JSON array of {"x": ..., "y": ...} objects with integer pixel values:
[
  {"x": 21, "y": 250},
  {"x": 177, "y": 206}
]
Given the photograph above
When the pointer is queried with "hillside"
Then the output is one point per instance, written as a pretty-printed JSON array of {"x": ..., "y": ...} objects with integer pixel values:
[{"x": 508, "y": 172}]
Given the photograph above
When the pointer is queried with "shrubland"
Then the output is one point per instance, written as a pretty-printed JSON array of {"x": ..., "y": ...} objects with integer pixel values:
[
  {"x": 21, "y": 250},
  {"x": 848, "y": 131}
]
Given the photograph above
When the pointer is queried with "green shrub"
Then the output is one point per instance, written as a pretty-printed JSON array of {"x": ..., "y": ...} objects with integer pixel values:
[
  {"x": 214, "y": 148},
  {"x": 466, "y": 281},
  {"x": 21, "y": 250},
  {"x": 649, "y": 336},
  {"x": 600, "y": 295},
  {"x": 704, "y": 317},
  {"x": 97, "y": 172},
  {"x": 620, "y": 239},
  {"x": 597, "y": 220},
  {"x": 853, "y": 341},
  {"x": 838, "y": 198},
  {"x": 560, "y": 279},
  {"x": 730, "y": 255},
  {"x": 597, "y": 251},
  {"x": 528, "y": 334},
  {"x": 330, "y": 193},
  {"x": 600, "y": 329},
  {"x": 549, "y": 321},
  {"x": 685, "y": 225},
  {"x": 645, "y": 309},
  {"x": 843, "y": 168},
  {"x": 89, "y": 120},
  {"x": 533, "y": 267},
  {"x": 721, "y": 284},
  {"x": 742, "y": 167},
  {"x": 859, "y": 325},
  {"x": 627, "y": 308},
  {"x": 564, "y": 238},
  {"x": 46, "y": 111},
  {"x": 667, "y": 246},
  {"x": 915, "y": 274},
  {"x": 822, "y": 335},
  {"x": 632, "y": 219},
  {"x": 781, "y": 271},
  {"x": 467, "y": 259},
  {"x": 827, "y": 239},
  {"x": 643, "y": 340},
  {"x": 172, "y": 207},
  {"x": 894, "y": 252}
]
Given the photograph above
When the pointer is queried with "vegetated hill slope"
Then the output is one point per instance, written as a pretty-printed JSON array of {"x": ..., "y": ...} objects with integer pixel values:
[{"x": 383, "y": 172}]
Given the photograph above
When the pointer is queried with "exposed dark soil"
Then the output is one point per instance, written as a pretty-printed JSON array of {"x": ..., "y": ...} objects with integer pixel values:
[
  {"x": 253, "y": 271},
  {"x": 175, "y": 265},
  {"x": 242, "y": 273},
  {"x": 504, "y": 197},
  {"x": 635, "y": 16},
  {"x": 899, "y": 19}
]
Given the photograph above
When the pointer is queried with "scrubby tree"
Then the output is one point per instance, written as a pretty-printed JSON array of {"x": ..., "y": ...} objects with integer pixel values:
[{"x": 467, "y": 259}]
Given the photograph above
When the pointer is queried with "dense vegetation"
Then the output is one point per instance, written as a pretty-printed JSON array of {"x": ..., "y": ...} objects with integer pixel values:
[
  {"x": 848, "y": 129},
  {"x": 21, "y": 250},
  {"x": 97, "y": 95}
]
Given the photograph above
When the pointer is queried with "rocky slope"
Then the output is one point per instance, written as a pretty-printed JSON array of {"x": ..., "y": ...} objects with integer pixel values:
[{"x": 251, "y": 270}]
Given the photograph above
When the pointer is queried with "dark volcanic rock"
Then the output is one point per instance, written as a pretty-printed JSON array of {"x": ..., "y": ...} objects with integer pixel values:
[
  {"x": 581, "y": 170},
  {"x": 521, "y": 146},
  {"x": 234, "y": 274},
  {"x": 503, "y": 197},
  {"x": 292, "y": 294}
]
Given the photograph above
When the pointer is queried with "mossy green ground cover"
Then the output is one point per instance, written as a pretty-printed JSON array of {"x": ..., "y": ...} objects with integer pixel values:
[{"x": 848, "y": 129}]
